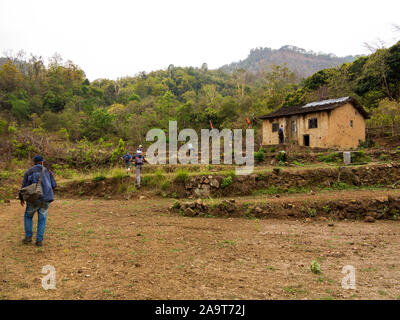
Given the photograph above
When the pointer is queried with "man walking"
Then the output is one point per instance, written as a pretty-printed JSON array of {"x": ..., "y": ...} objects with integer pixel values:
[
  {"x": 42, "y": 204},
  {"x": 139, "y": 159},
  {"x": 280, "y": 134},
  {"x": 127, "y": 158}
]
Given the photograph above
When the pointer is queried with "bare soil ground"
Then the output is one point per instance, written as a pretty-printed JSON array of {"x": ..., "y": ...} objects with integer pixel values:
[{"x": 137, "y": 249}]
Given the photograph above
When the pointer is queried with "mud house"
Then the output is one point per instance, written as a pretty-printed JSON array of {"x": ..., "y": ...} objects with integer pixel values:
[{"x": 334, "y": 123}]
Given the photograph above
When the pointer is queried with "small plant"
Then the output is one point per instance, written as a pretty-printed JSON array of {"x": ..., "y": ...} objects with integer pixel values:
[
  {"x": 262, "y": 149},
  {"x": 226, "y": 181},
  {"x": 99, "y": 177},
  {"x": 326, "y": 209},
  {"x": 315, "y": 267},
  {"x": 272, "y": 149},
  {"x": 312, "y": 212},
  {"x": 296, "y": 163},
  {"x": 176, "y": 205},
  {"x": 259, "y": 156},
  {"x": 182, "y": 176}
]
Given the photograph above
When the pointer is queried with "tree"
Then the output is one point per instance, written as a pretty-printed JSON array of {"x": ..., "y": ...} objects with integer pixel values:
[
  {"x": 389, "y": 109},
  {"x": 10, "y": 78}
]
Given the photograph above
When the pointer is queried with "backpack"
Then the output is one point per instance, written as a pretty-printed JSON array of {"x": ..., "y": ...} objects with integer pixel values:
[
  {"x": 139, "y": 160},
  {"x": 127, "y": 157},
  {"x": 34, "y": 191}
]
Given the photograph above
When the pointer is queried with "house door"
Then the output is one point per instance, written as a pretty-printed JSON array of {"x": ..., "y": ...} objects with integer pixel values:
[{"x": 306, "y": 140}]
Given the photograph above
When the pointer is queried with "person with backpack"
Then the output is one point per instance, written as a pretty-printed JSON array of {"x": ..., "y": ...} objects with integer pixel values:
[
  {"x": 37, "y": 192},
  {"x": 280, "y": 134},
  {"x": 127, "y": 158},
  {"x": 139, "y": 159}
]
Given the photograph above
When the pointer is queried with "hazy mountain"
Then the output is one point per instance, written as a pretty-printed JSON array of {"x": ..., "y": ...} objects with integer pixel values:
[{"x": 303, "y": 63}]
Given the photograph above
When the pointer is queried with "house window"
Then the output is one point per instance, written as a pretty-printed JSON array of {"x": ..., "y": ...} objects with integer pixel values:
[
  {"x": 312, "y": 123},
  {"x": 275, "y": 127},
  {"x": 351, "y": 123}
]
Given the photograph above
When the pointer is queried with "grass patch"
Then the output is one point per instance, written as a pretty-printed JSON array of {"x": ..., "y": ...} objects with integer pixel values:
[{"x": 181, "y": 176}]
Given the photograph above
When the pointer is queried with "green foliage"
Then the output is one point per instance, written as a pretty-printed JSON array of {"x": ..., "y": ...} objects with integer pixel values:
[
  {"x": 315, "y": 267},
  {"x": 259, "y": 156},
  {"x": 99, "y": 177},
  {"x": 118, "y": 152},
  {"x": 330, "y": 157},
  {"x": 181, "y": 176},
  {"x": 359, "y": 157},
  {"x": 226, "y": 181},
  {"x": 3, "y": 126}
]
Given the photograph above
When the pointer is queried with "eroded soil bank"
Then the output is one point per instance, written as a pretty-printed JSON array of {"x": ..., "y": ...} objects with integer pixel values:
[{"x": 204, "y": 186}]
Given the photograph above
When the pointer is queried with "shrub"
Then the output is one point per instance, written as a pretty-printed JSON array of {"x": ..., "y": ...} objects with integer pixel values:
[
  {"x": 272, "y": 149},
  {"x": 263, "y": 150},
  {"x": 182, "y": 176},
  {"x": 165, "y": 185},
  {"x": 99, "y": 177},
  {"x": 331, "y": 157},
  {"x": 226, "y": 181},
  {"x": 259, "y": 156},
  {"x": 359, "y": 156}
]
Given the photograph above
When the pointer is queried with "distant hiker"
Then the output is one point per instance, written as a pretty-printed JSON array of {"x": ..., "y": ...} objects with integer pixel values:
[
  {"x": 139, "y": 159},
  {"x": 35, "y": 174},
  {"x": 127, "y": 158},
  {"x": 280, "y": 134}
]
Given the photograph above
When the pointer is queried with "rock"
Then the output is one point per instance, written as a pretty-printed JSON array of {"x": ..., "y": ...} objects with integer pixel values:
[
  {"x": 330, "y": 225},
  {"x": 369, "y": 219},
  {"x": 189, "y": 212},
  {"x": 142, "y": 197},
  {"x": 258, "y": 210},
  {"x": 277, "y": 195},
  {"x": 214, "y": 183}
]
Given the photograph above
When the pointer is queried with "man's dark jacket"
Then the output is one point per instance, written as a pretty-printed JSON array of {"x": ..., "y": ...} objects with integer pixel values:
[{"x": 48, "y": 182}]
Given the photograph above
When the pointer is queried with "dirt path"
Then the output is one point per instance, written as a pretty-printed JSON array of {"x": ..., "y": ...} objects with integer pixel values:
[{"x": 138, "y": 250}]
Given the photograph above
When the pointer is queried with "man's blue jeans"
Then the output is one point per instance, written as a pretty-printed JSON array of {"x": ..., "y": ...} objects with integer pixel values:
[{"x": 41, "y": 207}]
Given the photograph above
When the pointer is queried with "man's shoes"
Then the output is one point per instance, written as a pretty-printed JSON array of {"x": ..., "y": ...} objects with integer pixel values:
[
  {"x": 39, "y": 243},
  {"x": 27, "y": 240}
]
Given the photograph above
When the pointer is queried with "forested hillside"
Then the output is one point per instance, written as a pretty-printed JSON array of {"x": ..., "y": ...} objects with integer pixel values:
[
  {"x": 59, "y": 99},
  {"x": 303, "y": 63}
]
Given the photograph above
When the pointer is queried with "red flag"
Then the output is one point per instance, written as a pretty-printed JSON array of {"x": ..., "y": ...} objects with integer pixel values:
[
  {"x": 247, "y": 120},
  {"x": 211, "y": 125}
]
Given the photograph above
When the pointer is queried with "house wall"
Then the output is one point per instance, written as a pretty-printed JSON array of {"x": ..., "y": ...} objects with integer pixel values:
[
  {"x": 341, "y": 134},
  {"x": 333, "y": 129}
]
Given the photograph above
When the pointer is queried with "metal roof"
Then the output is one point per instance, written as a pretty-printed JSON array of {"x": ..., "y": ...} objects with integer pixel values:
[{"x": 317, "y": 106}]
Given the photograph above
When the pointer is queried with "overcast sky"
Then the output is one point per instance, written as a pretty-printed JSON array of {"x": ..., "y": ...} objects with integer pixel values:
[{"x": 115, "y": 38}]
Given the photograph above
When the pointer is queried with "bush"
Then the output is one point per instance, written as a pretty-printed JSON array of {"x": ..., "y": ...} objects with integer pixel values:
[
  {"x": 182, "y": 176},
  {"x": 359, "y": 156},
  {"x": 259, "y": 156},
  {"x": 226, "y": 181},
  {"x": 330, "y": 157},
  {"x": 263, "y": 150}
]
